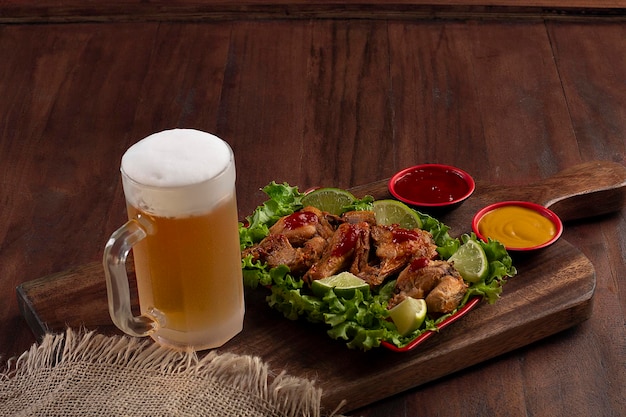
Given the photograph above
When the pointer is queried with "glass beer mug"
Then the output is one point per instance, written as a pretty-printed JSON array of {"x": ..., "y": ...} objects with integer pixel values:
[{"x": 183, "y": 230}]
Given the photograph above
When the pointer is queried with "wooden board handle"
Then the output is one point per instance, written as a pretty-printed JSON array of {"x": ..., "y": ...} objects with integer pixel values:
[{"x": 582, "y": 191}]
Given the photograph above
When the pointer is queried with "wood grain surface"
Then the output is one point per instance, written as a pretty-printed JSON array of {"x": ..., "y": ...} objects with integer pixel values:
[{"x": 326, "y": 101}]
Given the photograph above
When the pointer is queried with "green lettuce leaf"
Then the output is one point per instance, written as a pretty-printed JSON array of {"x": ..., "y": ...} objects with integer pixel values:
[
  {"x": 500, "y": 268},
  {"x": 283, "y": 201},
  {"x": 364, "y": 203},
  {"x": 446, "y": 245}
]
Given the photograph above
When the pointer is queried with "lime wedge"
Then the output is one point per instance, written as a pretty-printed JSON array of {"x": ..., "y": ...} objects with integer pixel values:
[
  {"x": 471, "y": 262},
  {"x": 344, "y": 284},
  {"x": 409, "y": 315},
  {"x": 332, "y": 200},
  {"x": 389, "y": 212}
]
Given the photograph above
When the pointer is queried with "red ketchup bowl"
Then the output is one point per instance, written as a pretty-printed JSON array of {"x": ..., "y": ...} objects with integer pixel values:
[
  {"x": 433, "y": 187},
  {"x": 518, "y": 225}
]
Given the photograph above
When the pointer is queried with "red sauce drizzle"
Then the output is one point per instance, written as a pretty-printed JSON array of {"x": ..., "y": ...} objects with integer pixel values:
[
  {"x": 299, "y": 219},
  {"x": 403, "y": 235},
  {"x": 347, "y": 243},
  {"x": 432, "y": 185},
  {"x": 419, "y": 263}
]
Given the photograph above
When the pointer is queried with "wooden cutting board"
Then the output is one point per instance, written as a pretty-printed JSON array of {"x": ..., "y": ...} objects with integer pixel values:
[{"x": 552, "y": 292}]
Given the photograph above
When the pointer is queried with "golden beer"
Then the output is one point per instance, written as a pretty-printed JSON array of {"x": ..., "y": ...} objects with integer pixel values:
[
  {"x": 183, "y": 231},
  {"x": 189, "y": 271}
]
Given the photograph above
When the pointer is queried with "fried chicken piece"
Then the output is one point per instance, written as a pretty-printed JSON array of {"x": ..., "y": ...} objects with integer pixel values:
[
  {"x": 436, "y": 281},
  {"x": 276, "y": 250},
  {"x": 339, "y": 253},
  {"x": 359, "y": 216},
  {"x": 421, "y": 276},
  {"x": 395, "y": 248},
  {"x": 361, "y": 255},
  {"x": 327, "y": 225},
  {"x": 299, "y": 226},
  {"x": 394, "y": 243},
  {"x": 447, "y": 295}
]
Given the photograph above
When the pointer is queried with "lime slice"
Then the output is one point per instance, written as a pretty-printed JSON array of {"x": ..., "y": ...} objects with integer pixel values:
[
  {"x": 344, "y": 284},
  {"x": 331, "y": 200},
  {"x": 471, "y": 262},
  {"x": 389, "y": 212},
  {"x": 409, "y": 315}
]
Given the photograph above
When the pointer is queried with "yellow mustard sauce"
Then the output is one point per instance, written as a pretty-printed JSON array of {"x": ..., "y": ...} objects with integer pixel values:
[{"x": 516, "y": 227}]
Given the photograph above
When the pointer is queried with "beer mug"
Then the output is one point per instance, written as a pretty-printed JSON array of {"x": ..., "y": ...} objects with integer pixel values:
[{"x": 179, "y": 186}]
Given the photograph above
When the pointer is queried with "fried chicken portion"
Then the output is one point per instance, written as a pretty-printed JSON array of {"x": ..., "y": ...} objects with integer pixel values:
[
  {"x": 315, "y": 245},
  {"x": 359, "y": 216},
  {"x": 436, "y": 281},
  {"x": 304, "y": 225},
  {"x": 447, "y": 295},
  {"x": 394, "y": 247},
  {"x": 276, "y": 250},
  {"x": 339, "y": 254},
  {"x": 297, "y": 240}
]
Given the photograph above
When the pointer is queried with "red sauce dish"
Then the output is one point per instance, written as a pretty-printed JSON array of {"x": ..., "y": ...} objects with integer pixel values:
[{"x": 433, "y": 186}]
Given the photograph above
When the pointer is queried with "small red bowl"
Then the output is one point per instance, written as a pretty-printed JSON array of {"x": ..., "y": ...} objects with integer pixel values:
[
  {"x": 518, "y": 225},
  {"x": 432, "y": 186}
]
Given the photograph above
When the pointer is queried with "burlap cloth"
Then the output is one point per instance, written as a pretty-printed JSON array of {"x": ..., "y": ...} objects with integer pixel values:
[{"x": 89, "y": 374}]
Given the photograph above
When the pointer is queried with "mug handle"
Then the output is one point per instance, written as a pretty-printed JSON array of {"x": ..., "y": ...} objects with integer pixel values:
[{"x": 118, "y": 292}]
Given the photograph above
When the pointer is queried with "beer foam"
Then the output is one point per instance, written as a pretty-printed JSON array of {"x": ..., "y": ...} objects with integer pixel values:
[
  {"x": 178, "y": 172},
  {"x": 176, "y": 157}
]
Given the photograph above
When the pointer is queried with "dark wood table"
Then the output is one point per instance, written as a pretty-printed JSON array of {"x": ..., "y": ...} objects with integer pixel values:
[{"x": 316, "y": 100}]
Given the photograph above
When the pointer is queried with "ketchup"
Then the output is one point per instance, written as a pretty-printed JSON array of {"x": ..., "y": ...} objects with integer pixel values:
[
  {"x": 432, "y": 185},
  {"x": 347, "y": 242},
  {"x": 419, "y": 263},
  {"x": 403, "y": 235},
  {"x": 299, "y": 219}
]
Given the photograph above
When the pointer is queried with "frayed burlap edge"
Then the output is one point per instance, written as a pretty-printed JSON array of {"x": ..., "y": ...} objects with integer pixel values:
[{"x": 291, "y": 396}]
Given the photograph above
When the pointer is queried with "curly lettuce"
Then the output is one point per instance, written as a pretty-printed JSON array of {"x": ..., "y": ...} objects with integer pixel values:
[
  {"x": 283, "y": 201},
  {"x": 500, "y": 268}
]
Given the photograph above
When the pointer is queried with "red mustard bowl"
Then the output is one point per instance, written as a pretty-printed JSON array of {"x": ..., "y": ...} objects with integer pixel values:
[
  {"x": 432, "y": 186},
  {"x": 546, "y": 213}
]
